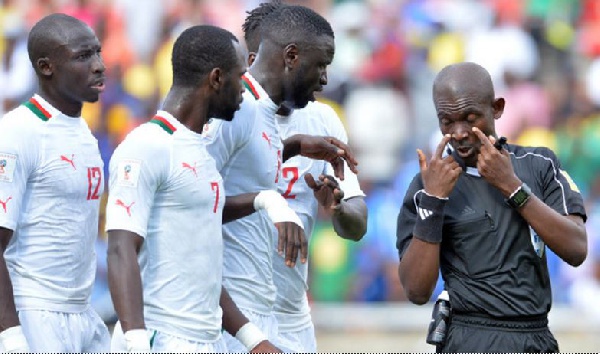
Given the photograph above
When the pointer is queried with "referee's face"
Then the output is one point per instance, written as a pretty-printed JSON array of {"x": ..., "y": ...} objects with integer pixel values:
[{"x": 458, "y": 113}]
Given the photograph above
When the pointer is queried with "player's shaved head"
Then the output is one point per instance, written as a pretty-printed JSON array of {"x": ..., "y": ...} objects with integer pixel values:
[
  {"x": 51, "y": 32},
  {"x": 464, "y": 80}
]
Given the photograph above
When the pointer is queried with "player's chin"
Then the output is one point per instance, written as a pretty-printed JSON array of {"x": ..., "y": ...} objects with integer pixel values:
[{"x": 92, "y": 97}]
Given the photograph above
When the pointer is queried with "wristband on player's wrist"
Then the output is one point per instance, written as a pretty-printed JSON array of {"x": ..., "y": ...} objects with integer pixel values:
[
  {"x": 430, "y": 218},
  {"x": 13, "y": 340},
  {"x": 276, "y": 207},
  {"x": 250, "y": 336},
  {"x": 137, "y": 341}
]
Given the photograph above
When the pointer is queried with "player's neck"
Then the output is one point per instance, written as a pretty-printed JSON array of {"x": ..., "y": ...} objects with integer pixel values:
[
  {"x": 268, "y": 80},
  {"x": 69, "y": 108},
  {"x": 185, "y": 106}
]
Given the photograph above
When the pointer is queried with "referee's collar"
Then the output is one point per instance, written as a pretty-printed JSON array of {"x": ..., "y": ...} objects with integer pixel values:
[{"x": 472, "y": 171}]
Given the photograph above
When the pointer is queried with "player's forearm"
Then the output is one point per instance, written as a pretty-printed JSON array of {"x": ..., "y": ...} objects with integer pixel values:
[
  {"x": 291, "y": 147},
  {"x": 8, "y": 312},
  {"x": 233, "y": 318},
  {"x": 565, "y": 235},
  {"x": 419, "y": 269},
  {"x": 125, "y": 283},
  {"x": 238, "y": 206},
  {"x": 350, "y": 220}
]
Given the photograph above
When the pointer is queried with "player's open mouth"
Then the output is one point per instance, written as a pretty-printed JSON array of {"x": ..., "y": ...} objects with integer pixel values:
[
  {"x": 464, "y": 151},
  {"x": 98, "y": 86}
]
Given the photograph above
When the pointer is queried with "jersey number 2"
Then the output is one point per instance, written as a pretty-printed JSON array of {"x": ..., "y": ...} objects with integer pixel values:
[
  {"x": 293, "y": 171},
  {"x": 94, "y": 179}
]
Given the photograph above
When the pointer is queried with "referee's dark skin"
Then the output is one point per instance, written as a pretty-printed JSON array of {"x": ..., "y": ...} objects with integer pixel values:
[{"x": 466, "y": 110}]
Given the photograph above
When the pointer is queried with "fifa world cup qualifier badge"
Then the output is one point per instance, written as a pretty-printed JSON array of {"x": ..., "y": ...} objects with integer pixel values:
[
  {"x": 128, "y": 173},
  {"x": 8, "y": 163}
]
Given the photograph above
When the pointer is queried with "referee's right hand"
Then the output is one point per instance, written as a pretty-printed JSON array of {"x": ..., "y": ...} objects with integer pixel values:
[{"x": 441, "y": 173}]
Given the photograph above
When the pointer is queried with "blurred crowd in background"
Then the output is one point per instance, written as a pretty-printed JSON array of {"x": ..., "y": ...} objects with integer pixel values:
[{"x": 543, "y": 55}]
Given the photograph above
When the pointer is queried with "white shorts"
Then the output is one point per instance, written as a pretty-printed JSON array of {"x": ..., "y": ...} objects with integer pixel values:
[
  {"x": 266, "y": 323},
  {"x": 48, "y": 331},
  {"x": 300, "y": 341},
  {"x": 163, "y": 342}
]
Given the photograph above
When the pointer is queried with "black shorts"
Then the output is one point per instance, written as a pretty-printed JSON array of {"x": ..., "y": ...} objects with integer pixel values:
[{"x": 482, "y": 334}]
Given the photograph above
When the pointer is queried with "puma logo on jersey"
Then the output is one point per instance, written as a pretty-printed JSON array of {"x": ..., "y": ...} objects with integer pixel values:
[
  {"x": 190, "y": 167},
  {"x": 266, "y": 137},
  {"x": 3, "y": 203},
  {"x": 70, "y": 161},
  {"x": 119, "y": 202},
  {"x": 424, "y": 213}
]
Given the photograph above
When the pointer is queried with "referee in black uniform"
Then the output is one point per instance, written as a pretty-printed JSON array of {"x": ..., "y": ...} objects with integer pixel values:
[{"x": 484, "y": 215}]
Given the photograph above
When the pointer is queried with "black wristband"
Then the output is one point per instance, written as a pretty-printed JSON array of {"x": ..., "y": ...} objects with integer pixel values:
[{"x": 430, "y": 218}]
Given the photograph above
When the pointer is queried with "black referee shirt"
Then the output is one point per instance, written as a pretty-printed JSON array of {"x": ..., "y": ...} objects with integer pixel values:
[{"x": 491, "y": 261}]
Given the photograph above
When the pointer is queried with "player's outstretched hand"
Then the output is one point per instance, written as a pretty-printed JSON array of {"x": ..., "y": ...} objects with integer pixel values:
[
  {"x": 331, "y": 150},
  {"x": 265, "y": 347},
  {"x": 441, "y": 173},
  {"x": 326, "y": 189},
  {"x": 292, "y": 241}
]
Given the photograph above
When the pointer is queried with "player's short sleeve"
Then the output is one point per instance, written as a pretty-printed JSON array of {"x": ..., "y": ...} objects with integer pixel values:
[
  {"x": 224, "y": 138},
  {"x": 335, "y": 128},
  {"x": 559, "y": 190},
  {"x": 407, "y": 216},
  {"x": 137, "y": 169},
  {"x": 19, "y": 157}
]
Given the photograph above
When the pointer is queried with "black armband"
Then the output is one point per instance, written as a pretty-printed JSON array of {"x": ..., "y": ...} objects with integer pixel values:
[{"x": 430, "y": 218}]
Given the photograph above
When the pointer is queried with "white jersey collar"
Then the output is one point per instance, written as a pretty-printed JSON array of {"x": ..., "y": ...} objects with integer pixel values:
[{"x": 257, "y": 90}]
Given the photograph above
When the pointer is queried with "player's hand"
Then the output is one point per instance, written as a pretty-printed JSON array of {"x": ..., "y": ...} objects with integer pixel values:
[
  {"x": 291, "y": 241},
  {"x": 441, "y": 173},
  {"x": 495, "y": 165},
  {"x": 327, "y": 191},
  {"x": 265, "y": 347},
  {"x": 331, "y": 150}
]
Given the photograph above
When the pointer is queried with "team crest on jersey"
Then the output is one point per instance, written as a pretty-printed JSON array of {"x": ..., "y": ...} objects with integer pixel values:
[
  {"x": 537, "y": 243},
  {"x": 8, "y": 163},
  {"x": 128, "y": 173}
]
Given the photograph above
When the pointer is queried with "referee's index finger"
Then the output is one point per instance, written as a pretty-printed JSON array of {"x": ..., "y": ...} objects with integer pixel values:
[
  {"x": 439, "y": 151},
  {"x": 484, "y": 139}
]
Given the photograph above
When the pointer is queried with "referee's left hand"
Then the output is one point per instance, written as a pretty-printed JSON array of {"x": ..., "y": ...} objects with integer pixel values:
[{"x": 495, "y": 165}]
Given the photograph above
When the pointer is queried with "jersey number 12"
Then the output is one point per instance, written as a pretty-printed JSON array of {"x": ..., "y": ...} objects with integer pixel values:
[{"x": 94, "y": 179}]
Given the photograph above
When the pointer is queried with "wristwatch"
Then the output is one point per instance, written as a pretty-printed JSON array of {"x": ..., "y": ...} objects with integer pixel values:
[{"x": 519, "y": 197}]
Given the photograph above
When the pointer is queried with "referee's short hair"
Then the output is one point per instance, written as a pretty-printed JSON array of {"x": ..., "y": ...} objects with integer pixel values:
[{"x": 200, "y": 49}]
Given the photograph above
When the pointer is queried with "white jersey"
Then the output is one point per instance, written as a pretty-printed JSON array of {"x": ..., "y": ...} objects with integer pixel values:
[
  {"x": 291, "y": 306},
  {"x": 165, "y": 187},
  {"x": 248, "y": 152},
  {"x": 51, "y": 181}
]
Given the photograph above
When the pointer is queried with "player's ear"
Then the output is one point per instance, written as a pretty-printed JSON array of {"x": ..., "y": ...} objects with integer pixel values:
[
  {"x": 498, "y": 106},
  {"x": 290, "y": 56},
  {"x": 251, "y": 58},
  {"x": 44, "y": 66},
  {"x": 215, "y": 79}
]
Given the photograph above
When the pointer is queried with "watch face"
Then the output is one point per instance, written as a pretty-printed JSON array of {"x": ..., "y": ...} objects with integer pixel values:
[{"x": 520, "y": 197}]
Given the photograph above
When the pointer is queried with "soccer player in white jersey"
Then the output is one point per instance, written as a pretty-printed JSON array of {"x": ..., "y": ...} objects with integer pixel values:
[
  {"x": 249, "y": 153},
  {"x": 51, "y": 181},
  {"x": 344, "y": 200},
  {"x": 166, "y": 204}
]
